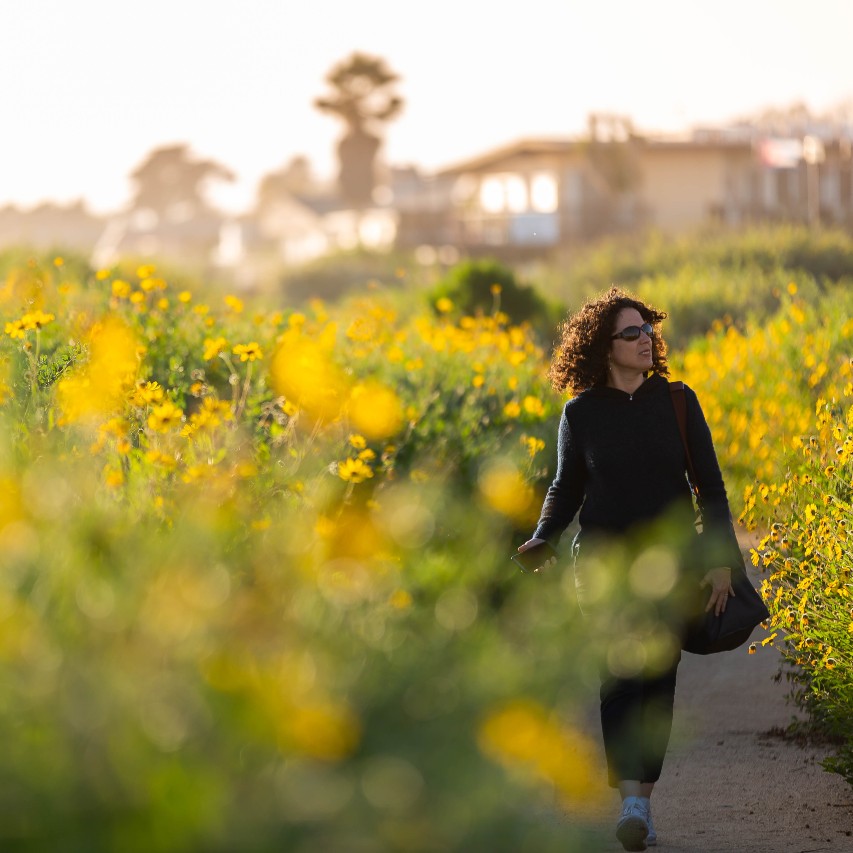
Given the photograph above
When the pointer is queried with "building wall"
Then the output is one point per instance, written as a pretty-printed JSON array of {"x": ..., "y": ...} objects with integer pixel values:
[{"x": 682, "y": 188}]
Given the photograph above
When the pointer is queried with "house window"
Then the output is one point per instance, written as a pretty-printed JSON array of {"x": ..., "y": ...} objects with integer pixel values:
[
  {"x": 502, "y": 193},
  {"x": 544, "y": 197}
]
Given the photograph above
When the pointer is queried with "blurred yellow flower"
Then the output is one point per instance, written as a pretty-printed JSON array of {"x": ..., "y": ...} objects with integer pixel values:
[
  {"x": 444, "y": 305},
  {"x": 533, "y": 406},
  {"x": 302, "y": 371},
  {"x": 358, "y": 441},
  {"x": 512, "y": 409},
  {"x": 235, "y": 304},
  {"x": 533, "y": 444},
  {"x": 212, "y": 348},
  {"x": 522, "y": 735},
  {"x": 375, "y": 410},
  {"x": 402, "y": 600},
  {"x": 505, "y": 490},
  {"x": 324, "y": 730},
  {"x": 185, "y": 296},
  {"x": 113, "y": 477},
  {"x": 121, "y": 289},
  {"x": 146, "y": 271},
  {"x": 15, "y": 329},
  {"x": 100, "y": 387},
  {"x": 164, "y": 416}
]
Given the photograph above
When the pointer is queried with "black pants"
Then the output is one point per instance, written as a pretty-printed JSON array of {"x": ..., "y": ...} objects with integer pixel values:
[{"x": 636, "y": 721}]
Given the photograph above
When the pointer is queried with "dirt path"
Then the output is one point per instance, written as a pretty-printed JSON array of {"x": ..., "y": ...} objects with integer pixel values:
[{"x": 727, "y": 786}]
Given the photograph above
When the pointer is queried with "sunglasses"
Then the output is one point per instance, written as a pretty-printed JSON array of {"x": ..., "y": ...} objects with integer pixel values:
[{"x": 631, "y": 333}]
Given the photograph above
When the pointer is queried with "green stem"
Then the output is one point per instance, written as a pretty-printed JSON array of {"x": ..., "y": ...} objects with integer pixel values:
[{"x": 246, "y": 383}]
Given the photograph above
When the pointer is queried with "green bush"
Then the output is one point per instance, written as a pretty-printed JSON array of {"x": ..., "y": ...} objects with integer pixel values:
[{"x": 485, "y": 285}]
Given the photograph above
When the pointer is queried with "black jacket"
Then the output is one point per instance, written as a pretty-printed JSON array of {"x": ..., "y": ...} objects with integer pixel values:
[{"x": 621, "y": 462}]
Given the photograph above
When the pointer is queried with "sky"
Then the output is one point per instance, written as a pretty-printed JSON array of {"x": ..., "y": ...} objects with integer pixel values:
[{"x": 89, "y": 87}]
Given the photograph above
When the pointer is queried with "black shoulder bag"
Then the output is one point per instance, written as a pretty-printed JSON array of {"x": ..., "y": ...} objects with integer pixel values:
[{"x": 707, "y": 633}]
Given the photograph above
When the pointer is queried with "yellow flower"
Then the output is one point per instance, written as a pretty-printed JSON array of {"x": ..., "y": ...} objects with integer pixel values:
[
  {"x": 146, "y": 271},
  {"x": 164, "y": 416},
  {"x": 113, "y": 477},
  {"x": 121, "y": 289},
  {"x": 400, "y": 600},
  {"x": 444, "y": 305},
  {"x": 58, "y": 262},
  {"x": 15, "y": 329},
  {"x": 185, "y": 296},
  {"x": 234, "y": 304},
  {"x": 533, "y": 406},
  {"x": 213, "y": 346},
  {"x": 367, "y": 454},
  {"x": 146, "y": 393},
  {"x": 478, "y": 381},
  {"x": 375, "y": 410},
  {"x": 248, "y": 352},
  {"x": 354, "y": 470},
  {"x": 512, "y": 409},
  {"x": 495, "y": 289},
  {"x": 102, "y": 275},
  {"x": 533, "y": 444},
  {"x": 32, "y": 320},
  {"x": 358, "y": 442}
]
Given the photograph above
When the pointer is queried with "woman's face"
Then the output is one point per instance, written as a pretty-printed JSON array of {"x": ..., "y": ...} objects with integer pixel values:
[{"x": 630, "y": 355}]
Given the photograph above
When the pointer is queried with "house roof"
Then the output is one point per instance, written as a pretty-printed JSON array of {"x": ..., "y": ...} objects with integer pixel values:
[
  {"x": 545, "y": 146},
  {"x": 512, "y": 149}
]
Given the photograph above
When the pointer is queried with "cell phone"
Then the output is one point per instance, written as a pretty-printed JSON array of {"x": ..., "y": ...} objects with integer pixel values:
[{"x": 534, "y": 557}]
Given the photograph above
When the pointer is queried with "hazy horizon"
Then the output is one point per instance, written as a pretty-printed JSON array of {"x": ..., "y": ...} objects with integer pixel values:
[{"x": 90, "y": 89}]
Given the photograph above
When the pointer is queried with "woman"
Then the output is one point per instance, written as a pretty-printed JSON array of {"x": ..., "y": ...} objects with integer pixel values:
[{"x": 621, "y": 462}]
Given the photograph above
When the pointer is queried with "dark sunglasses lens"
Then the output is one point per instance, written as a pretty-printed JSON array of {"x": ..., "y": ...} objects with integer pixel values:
[{"x": 631, "y": 333}]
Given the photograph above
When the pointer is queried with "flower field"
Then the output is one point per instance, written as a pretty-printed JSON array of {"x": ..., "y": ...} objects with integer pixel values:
[
  {"x": 254, "y": 578},
  {"x": 779, "y": 398}
]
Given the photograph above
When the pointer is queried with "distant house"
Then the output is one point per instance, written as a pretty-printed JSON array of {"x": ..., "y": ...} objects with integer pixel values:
[
  {"x": 537, "y": 194},
  {"x": 50, "y": 226}
]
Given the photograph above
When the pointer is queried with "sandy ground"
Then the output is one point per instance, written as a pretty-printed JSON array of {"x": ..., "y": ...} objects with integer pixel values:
[{"x": 728, "y": 785}]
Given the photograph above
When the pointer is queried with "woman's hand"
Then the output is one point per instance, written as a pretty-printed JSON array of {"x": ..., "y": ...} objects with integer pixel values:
[
  {"x": 529, "y": 544},
  {"x": 720, "y": 581}
]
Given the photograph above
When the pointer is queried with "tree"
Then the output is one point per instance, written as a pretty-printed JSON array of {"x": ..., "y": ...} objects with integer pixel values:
[
  {"x": 363, "y": 98},
  {"x": 171, "y": 183}
]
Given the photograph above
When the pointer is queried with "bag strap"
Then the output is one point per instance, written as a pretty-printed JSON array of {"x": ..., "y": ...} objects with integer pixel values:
[{"x": 679, "y": 402}]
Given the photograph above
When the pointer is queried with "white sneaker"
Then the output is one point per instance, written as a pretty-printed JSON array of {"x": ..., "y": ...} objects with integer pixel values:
[
  {"x": 652, "y": 837},
  {"x": 632, "y": 828}
]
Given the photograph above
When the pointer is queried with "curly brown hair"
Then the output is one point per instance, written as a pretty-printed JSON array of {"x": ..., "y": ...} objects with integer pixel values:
[{"x": 581, "y": 356}]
